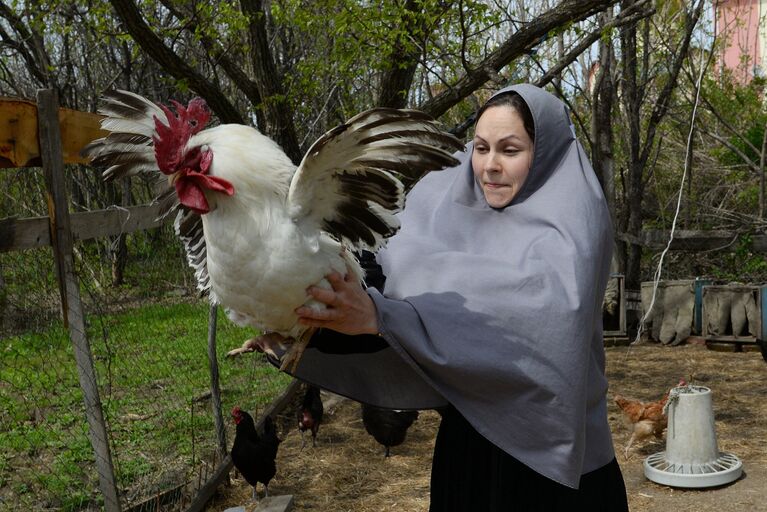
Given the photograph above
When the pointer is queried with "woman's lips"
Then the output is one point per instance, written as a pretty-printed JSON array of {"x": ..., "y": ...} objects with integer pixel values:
[{"x": 495, "y": 185}]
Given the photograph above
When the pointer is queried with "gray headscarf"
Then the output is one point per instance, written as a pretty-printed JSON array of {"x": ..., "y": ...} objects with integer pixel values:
[{"x": 498, "y": 311}]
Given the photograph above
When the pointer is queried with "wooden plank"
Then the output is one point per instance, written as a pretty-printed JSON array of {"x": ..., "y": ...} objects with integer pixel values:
[
  {"x": 61, "y": 238},
  {"x": 18, "y": 234},
  {"x": 215, "y": 388},
  {"x": 721, "y": 347},
  {"x": 87, "y": 225},
  {"x": 732, "y": 339},
  {"x": 282, "y": 503},
  {"x": 614, "y": 340},
  {"x": 692, "y": 240},
  {"x": 19, "y": 145},
  {"x": 209, "y": 488}
]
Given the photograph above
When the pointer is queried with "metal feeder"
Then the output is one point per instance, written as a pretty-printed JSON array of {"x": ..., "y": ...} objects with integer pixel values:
[{"x": 692, "y": 457}]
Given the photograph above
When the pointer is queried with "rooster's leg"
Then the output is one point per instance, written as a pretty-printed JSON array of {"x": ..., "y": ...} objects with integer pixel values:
[
  {"x": 631, "y": 440},
  {"x": 296, "y": 350},
  {"x": 253, "y": 345},
  {"x": 248, "y": 345}
]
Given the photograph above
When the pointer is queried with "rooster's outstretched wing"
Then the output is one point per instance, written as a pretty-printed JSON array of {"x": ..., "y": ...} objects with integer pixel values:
[
  {"x": 129, "y": 150},
  {"x": 354, "y": 178}
]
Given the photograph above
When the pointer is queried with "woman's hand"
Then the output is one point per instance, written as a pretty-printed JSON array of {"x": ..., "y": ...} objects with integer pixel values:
[{"x": 349, "y": 308}]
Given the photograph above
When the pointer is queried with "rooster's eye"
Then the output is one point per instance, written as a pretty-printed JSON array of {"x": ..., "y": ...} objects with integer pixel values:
[{"x": 193, "y": 122}]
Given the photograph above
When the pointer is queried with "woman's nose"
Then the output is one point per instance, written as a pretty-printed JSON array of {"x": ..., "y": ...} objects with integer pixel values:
[{"x": 493, "y": 163}]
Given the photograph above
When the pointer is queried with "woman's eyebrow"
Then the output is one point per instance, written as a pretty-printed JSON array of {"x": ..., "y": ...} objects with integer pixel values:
[
  {"x": 502, "y": 139},
  {"x": 509, "y": 137}
]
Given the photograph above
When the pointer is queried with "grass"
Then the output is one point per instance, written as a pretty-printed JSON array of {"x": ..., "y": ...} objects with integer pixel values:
[
  {"x": 149, "y": 346},
  {"x": 153, "y": 377}
]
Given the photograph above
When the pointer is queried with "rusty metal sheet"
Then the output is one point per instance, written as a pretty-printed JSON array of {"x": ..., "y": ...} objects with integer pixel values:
[{"x": 19, "y": 145}]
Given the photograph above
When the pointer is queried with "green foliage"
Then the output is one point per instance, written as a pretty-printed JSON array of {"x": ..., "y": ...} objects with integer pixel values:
[
  {"x": 742, "y": 263},
  {"x": 152, "y": 366},
  {"x": 742, "y": 108},
  {"x": 351, "y": 42}
]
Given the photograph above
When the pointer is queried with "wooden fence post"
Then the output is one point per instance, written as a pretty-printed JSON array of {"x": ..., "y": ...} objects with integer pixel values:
[
  {"x": 215, "y": 388},
  {"x": 61, "y": 242}
]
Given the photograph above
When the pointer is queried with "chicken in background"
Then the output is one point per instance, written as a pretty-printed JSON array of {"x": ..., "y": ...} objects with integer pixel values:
[
  {"x": 254, "y": 455},
  {"x": 644, "y": 418},
  {"x": 310, "y": 414},
  {"x": 387, "y": 426}
]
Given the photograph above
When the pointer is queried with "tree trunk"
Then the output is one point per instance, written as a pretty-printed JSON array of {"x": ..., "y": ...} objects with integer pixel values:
[
  {"x": 761, "y": 173},
  {"x": 601, "y": 121},
  {"x": 634, "y": 191},
  {"x": 640, "y": 147},
  {"x": 603, "y": 97},
  {"x": 120, "y": 254},
  {"x": 142, "y": 33},
  {"x": 688, "y": 165},
  {"x": 277, "y": 112},
  {"x": 633, "y": 252},
  {"x": 403, "y": 59},
  {"x": 560, "y": 57},
  {"x": 4, "y": 309}
]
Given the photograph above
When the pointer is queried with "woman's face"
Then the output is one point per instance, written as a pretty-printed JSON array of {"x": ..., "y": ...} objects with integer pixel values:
[{"x": 502, "y": 154}]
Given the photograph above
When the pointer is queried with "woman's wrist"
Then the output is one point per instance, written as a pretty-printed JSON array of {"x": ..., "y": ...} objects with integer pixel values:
[{"x": 373, "y": 327}]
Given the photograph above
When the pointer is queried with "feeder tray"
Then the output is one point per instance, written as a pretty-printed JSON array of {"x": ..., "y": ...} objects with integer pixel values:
[{"x": 692, "y": 458}]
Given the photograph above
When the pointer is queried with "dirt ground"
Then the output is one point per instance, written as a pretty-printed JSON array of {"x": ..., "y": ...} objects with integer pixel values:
[{"x": 347, "y": 471}]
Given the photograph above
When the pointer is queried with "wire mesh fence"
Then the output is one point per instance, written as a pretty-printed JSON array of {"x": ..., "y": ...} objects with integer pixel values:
[{"x": 148, "y": 343}]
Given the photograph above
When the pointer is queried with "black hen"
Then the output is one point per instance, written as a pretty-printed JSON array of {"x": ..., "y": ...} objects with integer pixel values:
[
  {"x": 310, "y": 413},
  {"x": 387, "y": 426},
  {"x": 253, "y": 455}
]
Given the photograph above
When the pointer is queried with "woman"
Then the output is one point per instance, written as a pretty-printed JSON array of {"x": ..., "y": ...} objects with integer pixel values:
[{"x": 492, "y": 308}]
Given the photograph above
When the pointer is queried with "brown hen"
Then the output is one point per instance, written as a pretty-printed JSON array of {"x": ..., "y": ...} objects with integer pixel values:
[{"x": 644, "y": 418}]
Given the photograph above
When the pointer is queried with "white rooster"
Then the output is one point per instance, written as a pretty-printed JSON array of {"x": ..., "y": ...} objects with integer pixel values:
[{"x": 258, "y": 230}]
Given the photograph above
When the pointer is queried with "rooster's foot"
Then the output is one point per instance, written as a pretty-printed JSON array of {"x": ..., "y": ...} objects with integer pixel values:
[
  {"x": 293, "y": 356},
  {"x": 248, "y": 346},
  {"x": 255, "y": 345}
]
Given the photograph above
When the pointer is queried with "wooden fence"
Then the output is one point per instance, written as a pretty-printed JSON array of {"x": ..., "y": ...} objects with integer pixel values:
[{"x": 43, "y": 135}]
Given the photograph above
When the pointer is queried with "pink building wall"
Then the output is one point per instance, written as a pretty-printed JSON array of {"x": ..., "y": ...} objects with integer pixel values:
[{"x": 738, "y": 32}]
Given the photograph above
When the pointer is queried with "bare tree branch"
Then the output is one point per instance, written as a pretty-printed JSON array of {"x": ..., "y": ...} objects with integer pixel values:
[
  {"x": 519, "y": 43},
  {"x": 31, "y": 48},
  {"x": 219, "y": 54},
  {"x": 732, "y": 147},
  {"x": 728, "y": 125},
  {"x": 663, "y": 100},
  {"x": 278, "y": 113},
  {"x": 171, "y": 62},
  {"x": 628, "y": 16}
]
